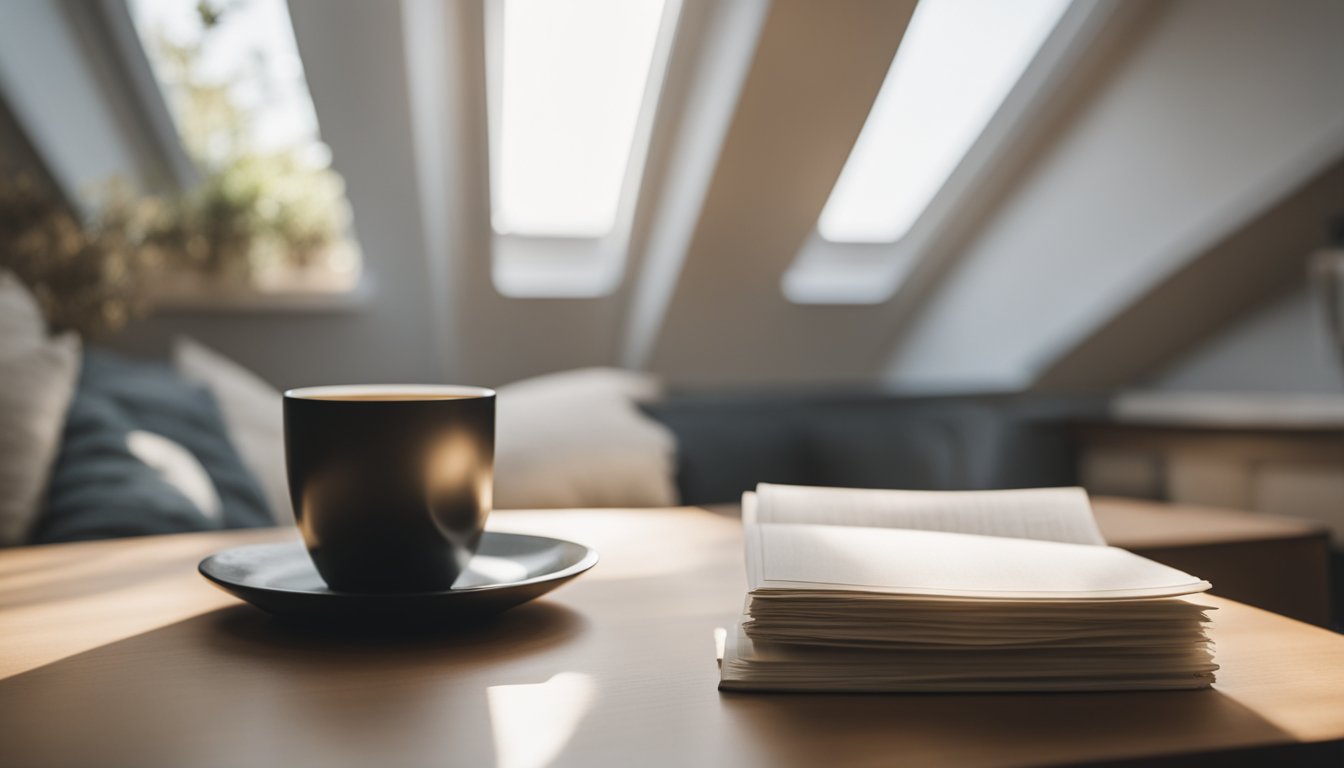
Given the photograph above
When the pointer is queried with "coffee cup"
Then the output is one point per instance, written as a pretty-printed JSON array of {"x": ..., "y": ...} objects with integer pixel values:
[{"x": 391, "y": 484}]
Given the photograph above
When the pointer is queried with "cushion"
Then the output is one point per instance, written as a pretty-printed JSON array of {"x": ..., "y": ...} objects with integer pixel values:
[
  {"x": 579, "y": 439},
  {"x": 727, "y": 447},
  {"x": 21, "y": 324},
  {"x": 102, "y": 487},
  {"x": 38, "y": 384},
  {"x": 253, "y": 415}
]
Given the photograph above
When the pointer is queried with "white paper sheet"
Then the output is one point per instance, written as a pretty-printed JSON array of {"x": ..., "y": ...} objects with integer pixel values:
[
  {"x": 910, "y": 562},
  {"x": 1048, "y": 514}
]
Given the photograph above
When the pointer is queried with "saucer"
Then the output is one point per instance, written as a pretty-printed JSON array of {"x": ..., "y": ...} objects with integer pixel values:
[{"x": 509, "y": 569}]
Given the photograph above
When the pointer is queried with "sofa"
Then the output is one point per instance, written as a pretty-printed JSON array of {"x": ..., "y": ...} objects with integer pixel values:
[{"x": 728, "y": 443}]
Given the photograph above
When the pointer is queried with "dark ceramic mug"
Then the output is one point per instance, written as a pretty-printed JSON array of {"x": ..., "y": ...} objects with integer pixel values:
[{"x": 391, "y": 484}]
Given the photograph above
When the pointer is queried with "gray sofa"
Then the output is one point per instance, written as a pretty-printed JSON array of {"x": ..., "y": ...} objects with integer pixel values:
[{"x": 728, "y": 443}]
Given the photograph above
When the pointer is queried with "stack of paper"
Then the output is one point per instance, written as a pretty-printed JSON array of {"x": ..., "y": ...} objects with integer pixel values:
[{"x": 854, "y": 590}]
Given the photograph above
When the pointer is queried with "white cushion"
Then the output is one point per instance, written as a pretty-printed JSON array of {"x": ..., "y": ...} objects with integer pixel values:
[
  {"x": 21, "y": 324},
  {"x": 253, "y": 415},
  {"x": 578, "y": 439},
  {"x": 38, "y": 385}
]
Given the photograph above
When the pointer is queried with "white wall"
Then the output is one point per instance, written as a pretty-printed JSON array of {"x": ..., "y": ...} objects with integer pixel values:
[
  {"x": 1283, "y": 347},
  {"x": 1220, "y": 110}
]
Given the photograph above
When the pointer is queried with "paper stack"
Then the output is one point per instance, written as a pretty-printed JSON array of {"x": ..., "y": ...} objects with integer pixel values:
[{"x": 866, "y": 591}]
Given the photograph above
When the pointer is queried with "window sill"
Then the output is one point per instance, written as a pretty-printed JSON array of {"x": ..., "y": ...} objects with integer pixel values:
[
  {"x": 200, "y": 297},
  {"x": 847, "y": 274},
  {"x": 525, "y": 267}
]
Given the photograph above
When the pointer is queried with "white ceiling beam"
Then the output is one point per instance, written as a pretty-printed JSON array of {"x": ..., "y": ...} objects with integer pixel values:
[
  {"x": 714, "y": 46},
  {"x": 817, "y": 69},
  {"x": 439, "y": 45}
]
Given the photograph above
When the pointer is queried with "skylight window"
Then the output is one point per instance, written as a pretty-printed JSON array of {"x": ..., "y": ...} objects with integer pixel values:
[
  {"x": 958, "y": 61},
  {"x": 567, "y": 82},
  {"x": 268, "y": 208},
  {"x": 231, "y": 76}
]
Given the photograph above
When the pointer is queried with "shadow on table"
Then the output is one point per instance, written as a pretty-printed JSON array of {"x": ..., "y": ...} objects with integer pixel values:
[
  {"x": 532, "y": 627},
  {"x": 961, "y": 729},
  {"x": 235, "y": 687}
]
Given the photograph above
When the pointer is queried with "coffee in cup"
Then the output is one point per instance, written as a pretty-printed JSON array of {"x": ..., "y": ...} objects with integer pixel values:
[{"x": 391, "y": 484}]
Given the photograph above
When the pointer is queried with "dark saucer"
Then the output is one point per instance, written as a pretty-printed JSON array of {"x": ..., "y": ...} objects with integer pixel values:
[{"x": 509, "y": 569}]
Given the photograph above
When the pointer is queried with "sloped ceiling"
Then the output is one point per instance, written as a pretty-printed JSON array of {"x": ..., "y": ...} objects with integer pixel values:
[
  {"x": 1209, "y": 293},
  {"x": 1202, "y": 116},
  {"x": 1223, "y": 109},
  {"x": 730, "y": 323}
]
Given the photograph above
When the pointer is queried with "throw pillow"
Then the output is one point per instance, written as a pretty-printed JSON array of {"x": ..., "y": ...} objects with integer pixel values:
[
  {"x": 38, "y": 384},
  {"x": 253, "y": 414},
  {"x": 21, "y": 324},
  {"x": 102, "y": 488},
  {"x": 579, "y": 439}
]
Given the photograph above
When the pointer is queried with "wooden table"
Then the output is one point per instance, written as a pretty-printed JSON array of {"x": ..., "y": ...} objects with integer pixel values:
[
  {"x": 118, "y": 654},
  {"x": 1278, "y": 563}
]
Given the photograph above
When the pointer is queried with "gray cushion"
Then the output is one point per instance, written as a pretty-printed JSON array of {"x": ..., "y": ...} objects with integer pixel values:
[{"x": 99, "y": 489}]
